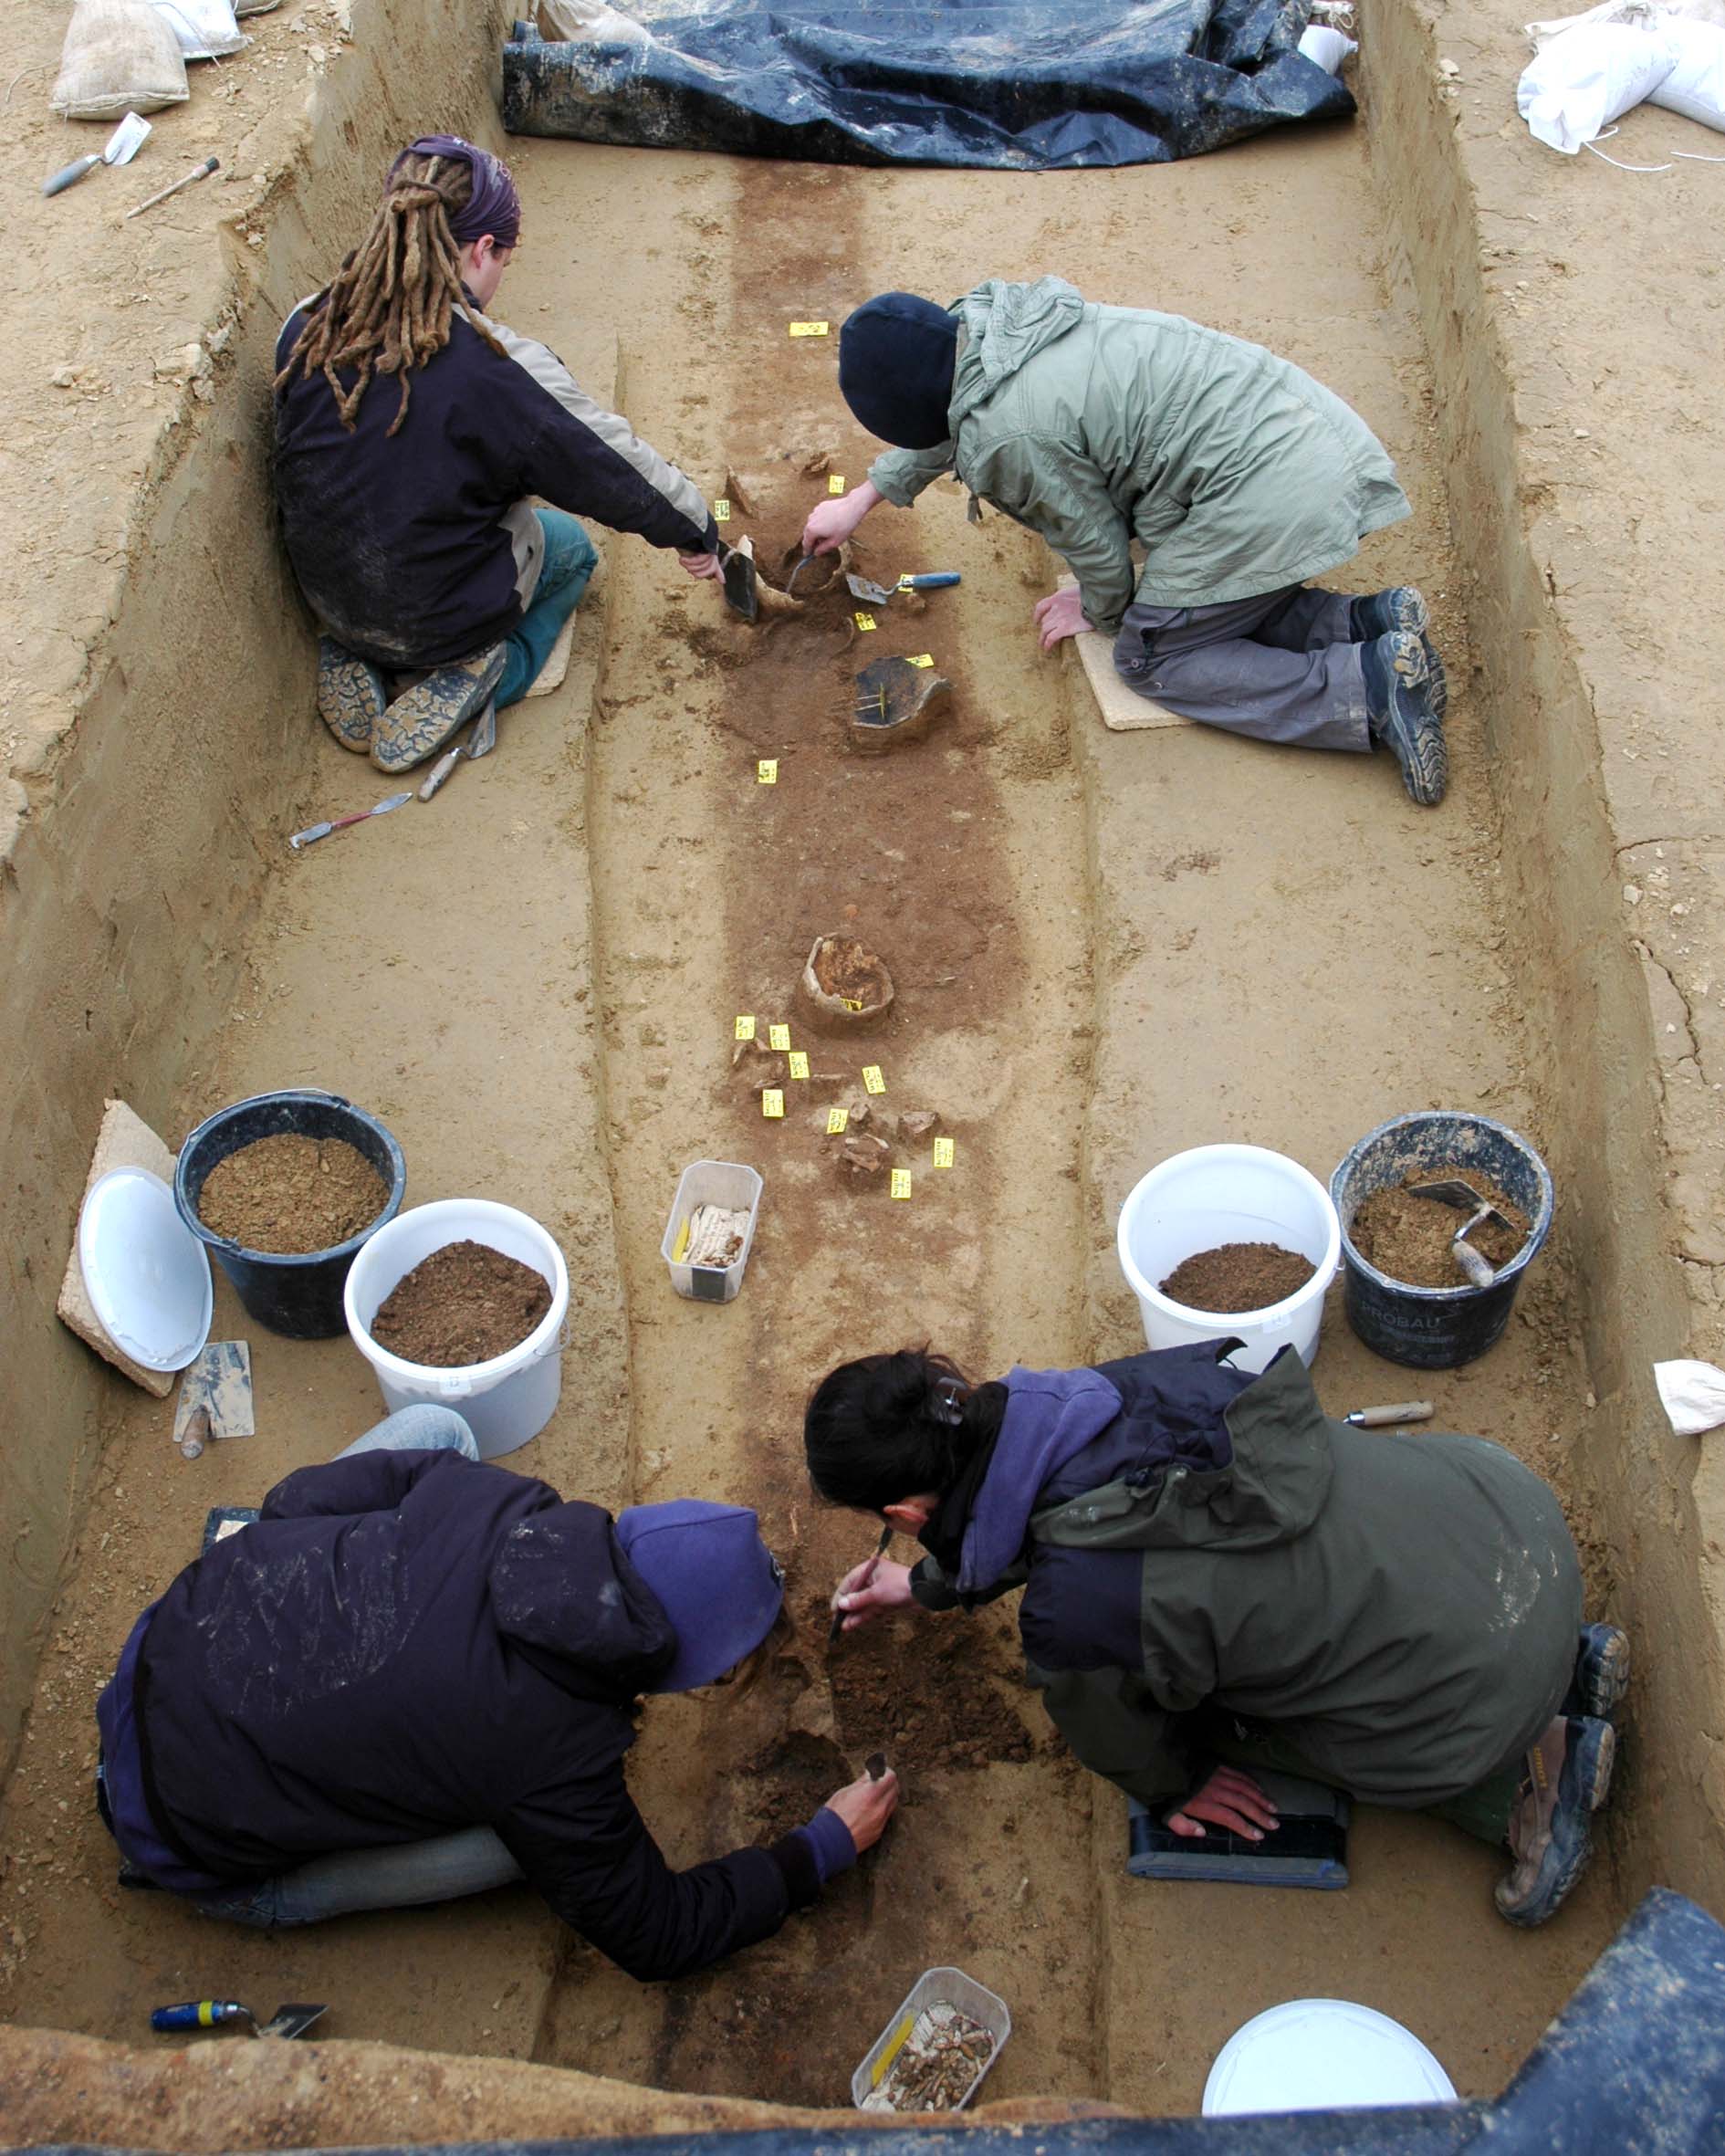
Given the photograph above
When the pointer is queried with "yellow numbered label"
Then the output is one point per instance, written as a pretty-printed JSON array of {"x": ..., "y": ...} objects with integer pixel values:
[
  {"x": 866, "y": 622},
  {"x": 772, "y": 1103},
  {"x": 721, "y": 512},
  {"x": 808, "y": 329},
  {"x": 852, "y": 1002},
  {"x": 900, "y": 1182},
  {"x": 922, "y": 658},
  {"x": 872, "y": 1078},
  {"x": 835, "y": 482},
  {"x": 744, "y": 1030},
  {"x": 943, "y": 1152},
  {"x": 799, "y": 1063},
  {"x": 836, "y": 1120},
  {"x": 778, "y": 1037},
  {"x": 766, "y": 771}
]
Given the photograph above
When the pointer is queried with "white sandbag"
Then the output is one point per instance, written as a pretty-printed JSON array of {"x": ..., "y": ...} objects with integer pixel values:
[
  {"x": 1644, "y": 14},
  {"x": 1692, "y": 1395},
  {"x": 564, "y": 19},
  {"x": 1327, "y": 46},
  {"x": 1579, "y": 83},
  {"x": 1696, "y": 85},
  {"x": 205, "y": 29},
  {"x": 119, "y": 55}
]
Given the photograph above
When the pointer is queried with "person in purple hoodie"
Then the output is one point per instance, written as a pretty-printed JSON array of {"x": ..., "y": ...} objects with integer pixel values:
[
  {"x": 415, "y": 1676},
  {"x": 1217, "y": 1575}
]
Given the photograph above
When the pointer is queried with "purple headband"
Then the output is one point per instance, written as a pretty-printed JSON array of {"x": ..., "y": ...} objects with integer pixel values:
[{"x": 494, "y": 206}]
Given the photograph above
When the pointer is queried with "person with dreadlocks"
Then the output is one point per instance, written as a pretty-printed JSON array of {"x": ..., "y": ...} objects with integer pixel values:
[{"x": 411, "y": 428}]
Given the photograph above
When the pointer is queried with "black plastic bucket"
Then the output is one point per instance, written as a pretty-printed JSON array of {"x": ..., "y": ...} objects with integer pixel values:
[
  {"x": 300, "y": 1296},
  {"x": 1436, "y": 1328}
]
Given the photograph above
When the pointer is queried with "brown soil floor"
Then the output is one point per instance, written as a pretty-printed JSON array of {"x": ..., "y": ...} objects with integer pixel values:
[{"x": 965, "y": 860}]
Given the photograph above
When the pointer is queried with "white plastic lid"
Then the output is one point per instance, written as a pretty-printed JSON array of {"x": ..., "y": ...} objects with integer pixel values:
[
  {"x": 147, "y": 1274},
  {"x": 1321, "y": 2055}
]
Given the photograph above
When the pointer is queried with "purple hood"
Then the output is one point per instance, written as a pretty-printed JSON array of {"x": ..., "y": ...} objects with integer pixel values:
[{"x": 1050, "y": 1415}]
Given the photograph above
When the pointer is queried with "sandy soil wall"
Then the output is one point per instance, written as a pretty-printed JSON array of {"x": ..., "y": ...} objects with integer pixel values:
[
  {"x": 154, "y": 767},
  {"x": 1562, "y": 438}
]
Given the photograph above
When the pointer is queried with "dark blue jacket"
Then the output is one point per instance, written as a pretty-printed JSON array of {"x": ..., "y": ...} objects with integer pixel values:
[
  {"x": 420, "y": 548},
  {"x": 405, "y": 1644}
]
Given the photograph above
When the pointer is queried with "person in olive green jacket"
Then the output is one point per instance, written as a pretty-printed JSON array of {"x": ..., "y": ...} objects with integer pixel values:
[
  {"x": 1203, "y": 1551},
  {"x": 1236, "y": 474}
]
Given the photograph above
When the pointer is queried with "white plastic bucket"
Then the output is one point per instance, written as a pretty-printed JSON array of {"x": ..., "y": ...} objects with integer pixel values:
[
  {"x": 1321, "y": 2055},
  {"x": 506, "y": 1400},
  {"x": 1218, "y": 1194}
]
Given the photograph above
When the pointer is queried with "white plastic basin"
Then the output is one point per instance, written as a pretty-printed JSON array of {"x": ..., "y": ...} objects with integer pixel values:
[
  {"x": 506, "y": 1400},
  {"x": 1212, "y": 1195}
]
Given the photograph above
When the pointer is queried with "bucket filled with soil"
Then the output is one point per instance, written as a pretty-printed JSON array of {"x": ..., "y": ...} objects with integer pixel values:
[
  {"x": 463, "y": 1304},
  {"x": 1408, "y": 1294},
  {"x": 1230, "y": 1241},
  {"x": 286, "y": 1188},
  {"x": 844, "y": 983}
]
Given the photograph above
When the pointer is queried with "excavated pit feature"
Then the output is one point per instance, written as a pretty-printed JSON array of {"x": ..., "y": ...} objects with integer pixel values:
[{"x": 1078, "y": 928}]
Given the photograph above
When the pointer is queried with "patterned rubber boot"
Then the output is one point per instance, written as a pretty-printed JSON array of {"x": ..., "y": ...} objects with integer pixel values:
[
  {"x": 1602, "y": 1673},
  {"x": 421, "y": 720},
  {"x": 351, "y": 698},
  {"x": 1398, "y": 698},
  {"x": 1551, "y": 1835},
  {"x": 1403, "y": 607}
]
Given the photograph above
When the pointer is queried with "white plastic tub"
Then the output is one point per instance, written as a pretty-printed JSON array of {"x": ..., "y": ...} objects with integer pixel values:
[
  {"x": 956, "y": 1989},
  {"x": 511, "y": 1397},
  {"x": 1213, "y": 1195},
  {"x": 1322, "y": 2055},
  {"x": 711, "y": 1182}
]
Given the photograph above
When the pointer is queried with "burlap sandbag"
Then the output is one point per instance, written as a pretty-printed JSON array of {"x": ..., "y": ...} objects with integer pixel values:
[{"x": 120, "y": 55}]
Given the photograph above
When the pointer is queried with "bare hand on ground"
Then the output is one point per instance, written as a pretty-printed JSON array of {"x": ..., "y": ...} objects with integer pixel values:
[
  {"x": 701, "y": 565},
  {"x": 1231, "y": 1799},
  {"x": 865, "y": 1807},
  {"x": 1061, "y": 614},
  {"x": 832, "y": 521},
  {"x": 869, "y": 1588}
]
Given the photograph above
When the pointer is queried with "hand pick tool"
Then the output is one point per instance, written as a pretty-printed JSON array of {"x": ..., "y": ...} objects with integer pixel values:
[{"x": 839, "y": 1615}]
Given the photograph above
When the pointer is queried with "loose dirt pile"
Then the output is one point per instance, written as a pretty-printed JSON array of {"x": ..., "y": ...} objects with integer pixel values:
[
  {"x": 290, "y": 1195},
  {"x": 1238, "y": 1276},
  {"x": 465, "y": 1303},
  {"x": 1408, "y": 1237}
]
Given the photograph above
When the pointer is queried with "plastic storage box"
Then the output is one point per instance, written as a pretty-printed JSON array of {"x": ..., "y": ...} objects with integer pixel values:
[
  {"x": 710, "y": 1182},
  {"x": 956, "y": 1989}
]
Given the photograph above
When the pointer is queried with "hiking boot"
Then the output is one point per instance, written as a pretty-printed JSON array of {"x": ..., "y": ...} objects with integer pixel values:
[
  {"x": 421, "y": 718},
  {"x": 1602, "y": 1673},
  {"x": 351, "y": 694},
  {"x": 1398, "y": 699},
  {"x": 1568, "y": 1778},
  {"x": 1402, "y": 607}
]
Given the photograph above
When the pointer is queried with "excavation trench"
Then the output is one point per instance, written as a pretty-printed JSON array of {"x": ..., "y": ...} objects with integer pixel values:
[{"x": 1104, "y": 948}]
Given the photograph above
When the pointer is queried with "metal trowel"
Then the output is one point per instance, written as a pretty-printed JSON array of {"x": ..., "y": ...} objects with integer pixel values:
[
  {"x": 933, "y": 580},
  {"x": 742, "y": 593},
  {"x": 122, "y": 147},
  {"x": 1481, "y": 1211},
  {"x": 286, "y": 2022}
]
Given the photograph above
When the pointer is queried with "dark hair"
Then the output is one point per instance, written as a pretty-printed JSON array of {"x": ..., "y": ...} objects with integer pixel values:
[{"x": 891, "y": 1426}]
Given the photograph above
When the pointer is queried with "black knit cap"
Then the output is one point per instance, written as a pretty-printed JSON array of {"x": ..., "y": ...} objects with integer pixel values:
[{"x": 896, "y": 364}]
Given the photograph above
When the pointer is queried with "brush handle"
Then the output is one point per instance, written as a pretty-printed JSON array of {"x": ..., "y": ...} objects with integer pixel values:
[
  {"x": 69, "y": 174},
  {"x": 198, "y": 2013}
]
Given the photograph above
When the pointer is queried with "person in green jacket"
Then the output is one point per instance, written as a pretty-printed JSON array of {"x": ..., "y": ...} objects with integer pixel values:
[
  {"x": 1217, "y": 1575},
  {"x": 1236, "y": 474}
]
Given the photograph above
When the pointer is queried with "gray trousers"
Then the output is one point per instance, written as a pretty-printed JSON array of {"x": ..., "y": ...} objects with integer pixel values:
[{"x": 1279, "y": 668}]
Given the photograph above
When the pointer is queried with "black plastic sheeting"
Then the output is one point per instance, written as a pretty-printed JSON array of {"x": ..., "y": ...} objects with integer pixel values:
[
  {"x": 1032, "y": 85},
  {"x": 1635, "y": 2063}
]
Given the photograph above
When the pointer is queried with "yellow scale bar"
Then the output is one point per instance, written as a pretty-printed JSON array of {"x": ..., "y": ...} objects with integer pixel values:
[
  {"x": 808, "y": 328},
  {"x": 901, "y": 2037}
]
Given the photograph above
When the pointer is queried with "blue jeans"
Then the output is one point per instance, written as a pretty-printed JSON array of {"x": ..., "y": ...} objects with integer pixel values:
[
  {"x": 569, "y": 559},
  {"x": 407, "y": 1874}
]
